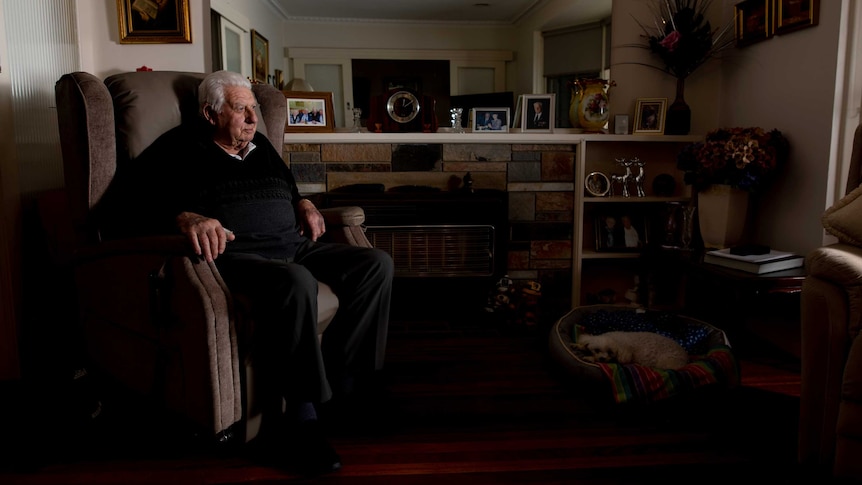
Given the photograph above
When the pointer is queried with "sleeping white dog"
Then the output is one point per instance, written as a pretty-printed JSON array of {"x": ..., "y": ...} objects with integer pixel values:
[{"x": 644, "y": 348}]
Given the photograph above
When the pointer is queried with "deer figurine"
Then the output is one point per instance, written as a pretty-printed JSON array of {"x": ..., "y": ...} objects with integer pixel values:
[
  {"x": 639, "y": 178},
  {"x": 622, "y": 179}
]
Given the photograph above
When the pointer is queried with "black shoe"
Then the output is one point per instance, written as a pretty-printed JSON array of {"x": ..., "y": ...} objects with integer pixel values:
[{"x": 309, "y": 452}]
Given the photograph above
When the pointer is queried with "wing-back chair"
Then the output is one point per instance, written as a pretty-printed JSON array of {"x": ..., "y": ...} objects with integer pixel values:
[
  {"x": 156, "y": 318},
  {"x": 830, "y": 420}
]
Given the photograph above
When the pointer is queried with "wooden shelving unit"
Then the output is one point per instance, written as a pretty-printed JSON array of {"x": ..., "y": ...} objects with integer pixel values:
[{"x": 608, "y": 269}]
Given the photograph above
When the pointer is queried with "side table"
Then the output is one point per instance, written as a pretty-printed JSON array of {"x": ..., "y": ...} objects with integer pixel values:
[{"x": 745, "y": 304}]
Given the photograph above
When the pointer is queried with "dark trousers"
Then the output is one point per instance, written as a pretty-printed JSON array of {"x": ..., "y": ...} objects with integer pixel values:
[{"x": 283, "y": 299}]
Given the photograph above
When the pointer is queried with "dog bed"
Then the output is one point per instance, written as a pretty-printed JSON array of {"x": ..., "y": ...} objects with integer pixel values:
[{"x": 711, "y": 361}]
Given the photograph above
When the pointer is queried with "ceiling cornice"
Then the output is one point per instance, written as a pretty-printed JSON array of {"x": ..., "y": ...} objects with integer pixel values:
[{"x": 277, "y": 8}]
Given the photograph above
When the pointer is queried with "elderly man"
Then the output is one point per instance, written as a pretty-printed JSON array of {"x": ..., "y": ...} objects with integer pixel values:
[{"x": 222, "y": 184}]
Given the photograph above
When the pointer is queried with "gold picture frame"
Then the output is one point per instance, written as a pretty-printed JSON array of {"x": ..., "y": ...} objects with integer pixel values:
[
  {"x": 154, "y": 21},
  {"x": 649, "y": 116},
  {"x": 791, "y": 15},
  {"x": 259, "y": 57},
  {"x": 754, "y": 22},
  {"x": 309, "y": 112}
]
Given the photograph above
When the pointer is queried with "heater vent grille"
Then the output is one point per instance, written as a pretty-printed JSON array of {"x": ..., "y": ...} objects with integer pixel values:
[{"x": 437, "y": 250}]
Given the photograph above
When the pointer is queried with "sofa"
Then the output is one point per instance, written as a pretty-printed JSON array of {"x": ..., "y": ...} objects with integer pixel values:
[{"x": 830, "y": 417}]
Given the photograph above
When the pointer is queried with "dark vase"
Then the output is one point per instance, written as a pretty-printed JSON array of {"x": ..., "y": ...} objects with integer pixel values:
[{"x": 678, "y": 120}]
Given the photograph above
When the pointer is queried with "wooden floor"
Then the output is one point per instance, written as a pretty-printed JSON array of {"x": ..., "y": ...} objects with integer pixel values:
[{"x": 474, "y": 403}]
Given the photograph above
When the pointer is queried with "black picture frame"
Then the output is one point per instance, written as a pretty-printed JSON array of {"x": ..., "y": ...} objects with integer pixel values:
[
  {"x": 616, "y": 231},
  {"x": 542, "y": 105}
]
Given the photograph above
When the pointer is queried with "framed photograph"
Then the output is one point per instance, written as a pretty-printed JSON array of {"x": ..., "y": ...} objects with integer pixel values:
[
  {"x": 753, "y": 19},
  {"x": 537, "y": 113},
  {"x": 490, "y": 120},
  {"x": 597, "y": 184},
  {"x": 309, "y": 112},
  {"x": 259, "y": 57},
  {"x": 793, "y": 15},
  {"x": 620, "y": 232},
  {"x": 154, "y": 21},
  {"x": 278, "y": 79},
  {"x": 649, "y": 116},
  {"x": 621, "y": 124}
]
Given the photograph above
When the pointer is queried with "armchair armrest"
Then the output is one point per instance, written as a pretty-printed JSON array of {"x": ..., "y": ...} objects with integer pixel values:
[
  {"x": 346, "y": 224},
  {"x": 840, "y": 264},
  {"x": 343, "y": 216}
]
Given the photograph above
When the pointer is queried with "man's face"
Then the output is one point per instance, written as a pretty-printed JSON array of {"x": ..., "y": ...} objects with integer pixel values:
[{"x": 236, "y": 122}]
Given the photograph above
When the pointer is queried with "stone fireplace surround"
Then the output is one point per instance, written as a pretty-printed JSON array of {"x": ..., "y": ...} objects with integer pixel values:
[{"x": 537, "y": 171}]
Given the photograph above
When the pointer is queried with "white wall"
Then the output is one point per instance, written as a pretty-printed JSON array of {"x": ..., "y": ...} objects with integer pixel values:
[
  {"x": 550, "y": 15},
  {"x": 391, "y": 35},
  {"x": 788, "y": 82},
  {"x": 102, "y": 54},
  {"x": 638, "y": 81},
  {"x": 260, "y": 16}
]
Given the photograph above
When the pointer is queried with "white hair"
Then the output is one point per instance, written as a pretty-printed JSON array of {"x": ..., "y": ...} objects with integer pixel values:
[{"x": 211, "y": 90}]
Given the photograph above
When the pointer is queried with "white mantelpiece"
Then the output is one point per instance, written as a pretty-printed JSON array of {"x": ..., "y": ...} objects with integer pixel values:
[{"x": 557, "y": 137}]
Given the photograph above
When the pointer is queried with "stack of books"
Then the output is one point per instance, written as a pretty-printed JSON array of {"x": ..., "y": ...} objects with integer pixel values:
[{"x": 755, "y": 263}]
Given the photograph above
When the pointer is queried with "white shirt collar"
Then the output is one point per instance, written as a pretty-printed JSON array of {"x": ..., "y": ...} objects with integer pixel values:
[{"x": 245, "y": 151}]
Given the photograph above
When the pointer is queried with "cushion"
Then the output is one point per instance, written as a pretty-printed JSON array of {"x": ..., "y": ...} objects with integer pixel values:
[
  {"x": 149, "y": 103},
  {"x": 842, "y": 220}
]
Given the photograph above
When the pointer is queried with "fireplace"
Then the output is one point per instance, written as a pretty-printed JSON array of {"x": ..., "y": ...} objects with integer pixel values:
[{"x": 432, "y": 233}]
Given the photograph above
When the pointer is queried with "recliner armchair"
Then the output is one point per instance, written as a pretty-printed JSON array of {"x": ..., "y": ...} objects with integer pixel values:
[
  {"x": 156, "y": 318},
  {"x": 830, "y": 419}
]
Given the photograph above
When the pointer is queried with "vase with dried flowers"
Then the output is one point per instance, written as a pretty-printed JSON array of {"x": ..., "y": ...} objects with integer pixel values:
[
  {"x": 724, "y": 169},
  {"x": 683, "y": 38}
]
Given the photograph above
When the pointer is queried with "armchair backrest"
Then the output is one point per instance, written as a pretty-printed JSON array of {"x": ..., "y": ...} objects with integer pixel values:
[{"x": 103, "y": 124}]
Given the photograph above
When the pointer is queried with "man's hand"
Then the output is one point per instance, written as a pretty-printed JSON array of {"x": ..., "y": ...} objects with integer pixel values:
[
  {"x": 207, "y": 236},
  {"x": 310, "y": 220}
]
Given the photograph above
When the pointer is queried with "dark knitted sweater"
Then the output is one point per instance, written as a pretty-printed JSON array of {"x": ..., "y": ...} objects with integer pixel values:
[{"x": 184, "y": 170}]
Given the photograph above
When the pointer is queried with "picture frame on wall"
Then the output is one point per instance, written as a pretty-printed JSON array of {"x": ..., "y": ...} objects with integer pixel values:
[
  {"x": 753, "y": 21},
  {"x": 649, "y": 116},
  {"x": 792, "y": 15},
  {"x": 309, "y": 112},
  {"x": 490, "y": 120},
  {"x": 537, "y": 113},
  {"x": 151, "y": 22},
  {"x": 259, "y": 57}
]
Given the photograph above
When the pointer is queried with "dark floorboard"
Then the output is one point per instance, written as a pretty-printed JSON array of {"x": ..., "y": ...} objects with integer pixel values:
[{"x": 469, "y": 400}]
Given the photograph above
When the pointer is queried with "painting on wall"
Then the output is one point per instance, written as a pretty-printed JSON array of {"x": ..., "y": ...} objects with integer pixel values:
[
  {"x": 259, "y": 57},
  {"x": 753, "y": 20},
  {"x": 791, "y": 15},
  {"x": 154, "y": 21}
]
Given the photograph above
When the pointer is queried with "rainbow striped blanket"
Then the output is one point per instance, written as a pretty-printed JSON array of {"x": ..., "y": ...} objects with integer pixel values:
[{"x": 712, "y": 361}]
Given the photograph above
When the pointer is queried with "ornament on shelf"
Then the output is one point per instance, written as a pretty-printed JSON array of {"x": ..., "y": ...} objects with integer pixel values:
[{"x": 639, "y": 178}]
